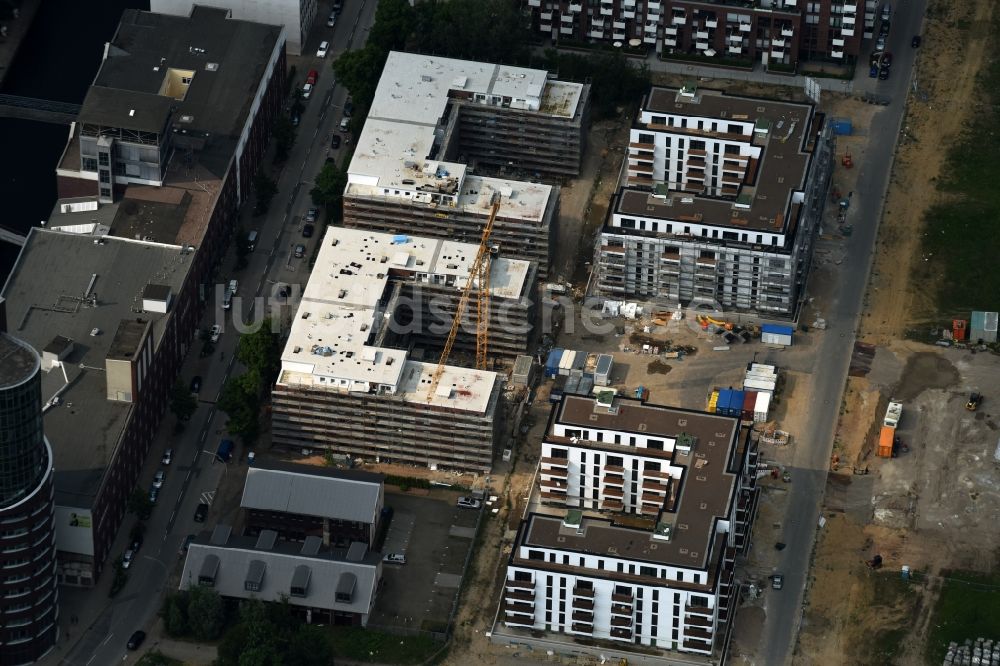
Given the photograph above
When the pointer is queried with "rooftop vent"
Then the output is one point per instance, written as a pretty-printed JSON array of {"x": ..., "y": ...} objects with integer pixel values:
[
  {"x": 255, "y": 576},
  {"x": 311, "y": 545},
  {"x": 209, "y": 570},
  {"x": 300, "y": 580},
  {"x": 266, "y": 540},
  {"x": 220, "y": 535},
  {"x": 356, "y": 551}
]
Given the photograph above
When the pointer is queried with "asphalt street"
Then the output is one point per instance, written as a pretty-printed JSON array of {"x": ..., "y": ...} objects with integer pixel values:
[
  {"x": 833, "y": 356},
  {"x": 195, "y": 474}
]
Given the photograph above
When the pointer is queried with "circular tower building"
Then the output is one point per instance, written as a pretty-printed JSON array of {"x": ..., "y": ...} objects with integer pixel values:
[{"x": 28, "y": 586}]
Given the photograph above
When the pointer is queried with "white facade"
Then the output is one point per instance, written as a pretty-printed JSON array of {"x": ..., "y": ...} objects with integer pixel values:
[{"x": 295, "y": 15}]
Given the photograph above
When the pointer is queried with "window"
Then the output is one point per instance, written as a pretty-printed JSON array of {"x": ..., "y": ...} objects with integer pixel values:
[
  {"x": 559, "y": 453},
  {"x": 89, "y": 164},
  {"x": 647, "y": 571},
  {"x": 536, "y": 555},
  {"x": 699, "y": 602},
  {"x": 654, "y": 444},
  {"x": 659, "y": 120},
  {"x": 105, "y": 177}
]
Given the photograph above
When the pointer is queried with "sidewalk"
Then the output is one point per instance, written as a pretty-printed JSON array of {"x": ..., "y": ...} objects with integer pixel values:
[{"x": 17, "y": 29}]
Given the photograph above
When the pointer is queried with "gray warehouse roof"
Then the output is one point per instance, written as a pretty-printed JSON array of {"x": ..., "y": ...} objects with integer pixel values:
[
  {"x": 312, "y": 491},
  {"x": 68, "y": 285},
  {"x": 274, "y": 572}
]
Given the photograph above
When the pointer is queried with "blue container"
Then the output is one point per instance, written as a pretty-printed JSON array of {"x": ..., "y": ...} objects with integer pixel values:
[{"x": 552, "y": 362}]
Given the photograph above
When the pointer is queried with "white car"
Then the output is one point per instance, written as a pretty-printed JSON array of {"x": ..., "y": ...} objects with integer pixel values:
[
  {"x": 127, "y": 558},
  {"x": 331, "y": 20},
  {"x": 216, "y": 333},
  {"x": 168, "y": 457},
  {"x": 394, "y": 558},
  {"x": 322, "y": 50},
  {"x": 344, "y": 124},
  {"x": 468, "y": 503},
  {"x": 158, "y": 479}
]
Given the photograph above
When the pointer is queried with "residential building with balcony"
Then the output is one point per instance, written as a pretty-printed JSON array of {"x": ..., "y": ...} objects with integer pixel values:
[
  {"x": 718, "y": 204},
  {"x": 29, "y": 592},
  {"x": 641, "y": 513},
  {"x": 444, "y": 135},
  {"x": 358, "y": 366},
  {"x": 775, "y": 32}
]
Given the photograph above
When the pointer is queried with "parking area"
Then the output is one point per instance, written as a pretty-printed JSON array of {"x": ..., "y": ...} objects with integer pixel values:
[{"x": 435, "y": 537}]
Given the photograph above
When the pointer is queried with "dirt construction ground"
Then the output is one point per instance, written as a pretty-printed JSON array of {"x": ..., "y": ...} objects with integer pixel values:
[{"x": 934, "y": 507}]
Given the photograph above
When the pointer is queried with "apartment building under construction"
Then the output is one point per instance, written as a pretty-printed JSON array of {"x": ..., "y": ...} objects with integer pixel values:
[
  {"x": 438, "y": 126},
  {"x": 352, "y": 380},
  {"x": 719, "y": 203}
]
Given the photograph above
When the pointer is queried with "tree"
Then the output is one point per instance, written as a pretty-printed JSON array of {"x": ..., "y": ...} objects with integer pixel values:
[
  {"x": 483, "y": 30},
  {"x": 359, "y": 70},
  {"x": 329, "y": 189},
  {"x": 182, "y": 403},
  {"x": 242, "y": 247},
  {"x": 261, "y": 352},
  {"x": 310, "y": 646},
  {"x": 284, "y": 136},
  {"x": 614, "y": 80},
  {"x": 240, "y": 400},
  {"x": 393, "y": 25},
  {"x": 266, "y": 189},
  {"x": 139, "y": 504},
  {"x": 206, "y": 613}
]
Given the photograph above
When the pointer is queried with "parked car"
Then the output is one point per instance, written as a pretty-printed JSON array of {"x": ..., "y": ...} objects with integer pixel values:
[
  {"x": 880, "y": 43},
  {"x": 201, "y": 513},
  {"x": 196, "y": 384},
  {"x": 300, "y": 251},
  {"x": 974, "y": 401},
  {"x": 307, "y": 231},
  {"x": 136, "y": 544},
  {"x": 312, "y": 214},
  {"x": 154, "y": 494},
  {"x": 187, "y": 542},
  {"x": 159, "y": 478},
  {"x": 873, "y": 72},
  {"x": 127, "y": 558},
  {"x": 215, "y": 333},
  {"x": 886, "y": 59},
  {"x": 468, "y": 503},
  {"x": 338, "y": 5},
  {"x": 777, "y": 581},
  {"x": 296, "y": 119},
  {"x": 136, "y": 639},
  {"x": 335, "y": 141},
  {"x": 883, "y": 73},
  {"x": 915, "y": 42},
  {"x": 322, "y": 50},
  {"x": 348, "y": 108},
  {"x": 168, "y": 457},
  {"x": 345, "y": 123},
  {"x": 331, "y": 20},
  {"x": 394, "y": 558}
]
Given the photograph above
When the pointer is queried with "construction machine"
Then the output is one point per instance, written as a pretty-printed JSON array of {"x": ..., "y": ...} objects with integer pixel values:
[{"x": 479, "y": 280}]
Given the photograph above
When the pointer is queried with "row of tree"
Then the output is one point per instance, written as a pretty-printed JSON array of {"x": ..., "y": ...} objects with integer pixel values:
[{"x": 260, "y": 352}]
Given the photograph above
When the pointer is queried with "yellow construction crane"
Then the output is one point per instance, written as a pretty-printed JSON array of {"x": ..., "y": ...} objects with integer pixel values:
[{"x": 479, "y": 278}]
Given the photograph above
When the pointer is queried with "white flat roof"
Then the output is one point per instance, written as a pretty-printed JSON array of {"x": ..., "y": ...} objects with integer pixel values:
[
  {"x": 340, "y": 312},
  {"x": 398, "y": 136}
]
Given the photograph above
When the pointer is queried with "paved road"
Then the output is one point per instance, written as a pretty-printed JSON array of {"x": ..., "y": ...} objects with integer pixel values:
[
  {"x": 833, "y": 356},
  {"x": 195, "y": 475}
]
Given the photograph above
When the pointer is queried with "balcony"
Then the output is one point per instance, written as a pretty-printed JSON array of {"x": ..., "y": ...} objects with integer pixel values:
[
  {"x": 553, "y": 485},
  {"x": 849, "y": 20},
  {"x": 701, "y": 46},
  {"x": 565, "y": 30},
  {"x": 745, "y": 26},
  {"x": 518, "y": 608},
  {"x": 585, "y": 592},
  {"x": 555, "y": 462},
  {"x": 649, "y": 39},
  {"x": 518, "y": 596},
  {"x": 697, "y": 621},
  {"x": 712, "y": 23},
  {"x": 702, "y": 34},
  {"x": 581, "y": 628},
  {"x": 622, "y": 598},
  {"x": 678, "y": 20},
  {"x": 545, "y": 27},
  {"x": 513, "y": 585},
  {"x": 670, "y": 256},
  {"x": 621, "y": 622},
  {"x": 546, "y": 16},
  {"x": 585, "y": 617},
  {"x": 670, "y": 30},
  {"x": 607, "y": 11},
  {"x": 787, "y": 32},
  {"x": 584, "y": 604},
  {"x": 566, "y": 18},
  {"x": 836, "y": 54},
  {"x": 778, "y": 43},
  {"x": 608, "y": 504},
  {"x": 847, "y": 32},
  {"x": 622, "y": 634},
  {"x": 628, "y": 13},
  {"x": 838, "y": 42},
  {"x": 614, "y": 493},
  {"x": 576, "y": 7},
  {"x": 534, "y": 3},
  {"x": 619, "y": 25},
  {"x": 652, "y": 498},
  {"x": 697, "y": 645},
  {"x": 649, "y": 28},
  {"x": 655, "y": 5}
]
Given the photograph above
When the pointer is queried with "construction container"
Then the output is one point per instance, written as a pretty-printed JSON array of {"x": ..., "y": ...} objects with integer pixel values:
[
  {"x": 557, "y": 389},
  {"x": 885, "y": 440},
  {"x": 749, "y": 404},
  {"x": 572, "y": 386},
  {"x": 591, "y": 364},
  {"x": 713, "y": 401},
  {"x": 602, "y": 371},
  {"x": 580, "y": 362},
  {"x": 958, "y": 329},
  {"x": 722, "y": 404},
  {"x": 759, "y": 385},
  {"x": 552, "y": 362},
  {"x": 586, "y": 385},
  {"x": 566, "y": 362},
  {"x": 983, "y": 327},
  {"x": 773, "y": 334},
  {"x": 893, "y": 413},
  {"x": 842, "y": 126},
  {"x": 762, "y": 407},
  {"x": 523, "y": 370}
]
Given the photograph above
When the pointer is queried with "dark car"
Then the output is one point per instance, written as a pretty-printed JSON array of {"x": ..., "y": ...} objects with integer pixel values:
[
  {"x": 196, "y": 384},
  {"x": 307, "y": 231},
  {"x": 348, "y": 108},
  {"x": 873, "y": 72},
  {"x": 187, "y": 542},
  {"x": 886, "y": 59},
  {"x": 335, "y": 141},
  {"x": 296, "y": 119},
  {"x": 915, "y": 42},
  {"x": 777, "y": 581},
  {"x": 330, "y": 160},
  {"x": 300, "y": 251},
  {"x": 201, "y": 513},
  {"x": 883, "y": 73},
  {"x": 136, "y": 639}
]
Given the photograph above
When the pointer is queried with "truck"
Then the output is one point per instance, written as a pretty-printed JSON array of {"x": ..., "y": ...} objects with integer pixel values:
[
  {"x": 225, "y": 450},
  {"x": 893, "y": 413}
]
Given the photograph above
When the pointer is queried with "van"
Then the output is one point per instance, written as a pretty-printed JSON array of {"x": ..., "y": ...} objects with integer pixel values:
[
  {"x": 344, "y": 124},
  {"x": 252, "y": 240}
]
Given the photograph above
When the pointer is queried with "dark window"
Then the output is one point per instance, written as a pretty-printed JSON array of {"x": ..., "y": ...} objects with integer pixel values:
[
  {"x": 700, "y": 602},
  {"x": 649, "y": 465},
  {"x": 560, "y": 453},
  {"x": 89, "y": 164},
  {"x": 654, "y": 444},
  {"x": 103, "y": 159},
  {"x": 647, "y": 571},
  {"x": 536, "y": 555},
  {"x": 646, "y": 138}
]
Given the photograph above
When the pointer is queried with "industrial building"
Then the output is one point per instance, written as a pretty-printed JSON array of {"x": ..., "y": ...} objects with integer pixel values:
[
  {"x": 437, "y": 133},
  {"x": 641, "y": 513},
  {"x": 164, "y": 150},
  {"x": 352, "y": 381},
  {"x": 774, "y": 32},
  {"x": 299, "y": 501},
  {"x": 321, "y": 585},
  {"x": 29, "y": 592},
  {"x": 719, "y": 202},
  {"x": 296, "y": 16}
]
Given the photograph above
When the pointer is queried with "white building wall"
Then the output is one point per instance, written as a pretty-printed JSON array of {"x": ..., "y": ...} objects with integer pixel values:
[{"x": 295, "y": 15}]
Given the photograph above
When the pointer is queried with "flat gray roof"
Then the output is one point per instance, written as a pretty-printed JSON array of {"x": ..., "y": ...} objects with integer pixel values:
[
  {"x": 304, "y": 493},
  {"x": 47, "y": 296},
  {"x": 278, "y": 567}
]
